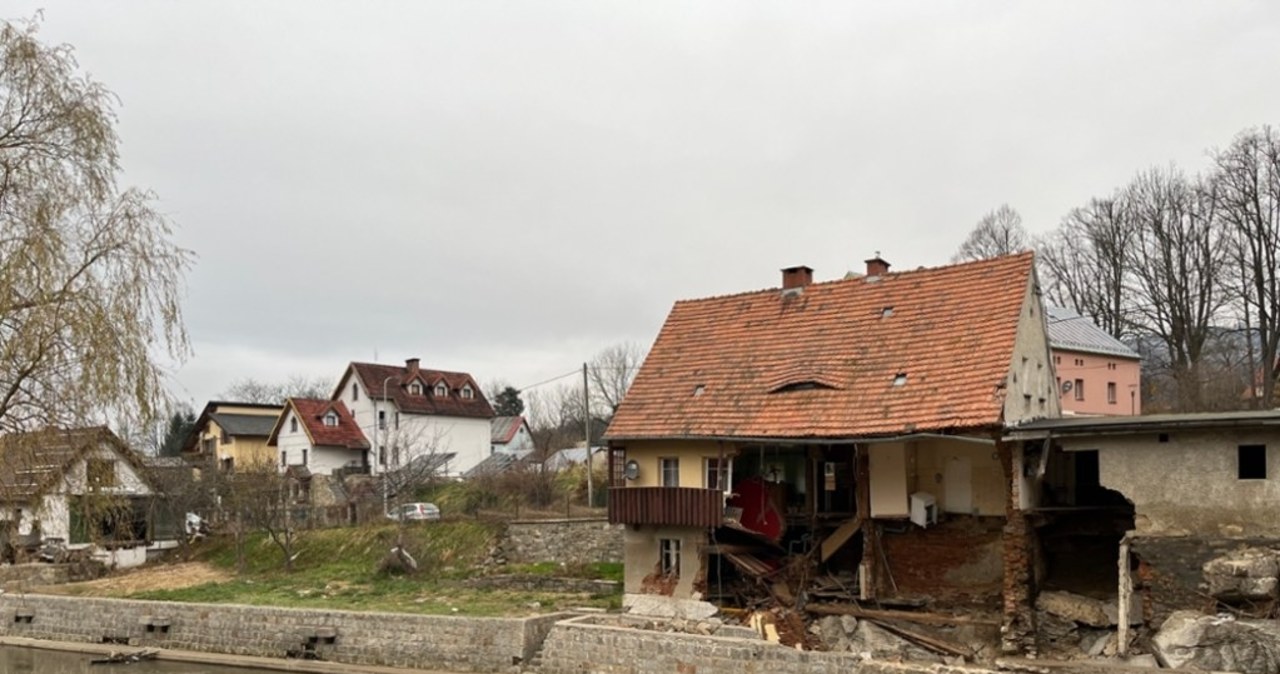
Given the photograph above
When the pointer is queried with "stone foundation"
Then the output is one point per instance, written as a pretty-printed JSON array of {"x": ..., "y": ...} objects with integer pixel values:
[{"x": 576, "y": 541}]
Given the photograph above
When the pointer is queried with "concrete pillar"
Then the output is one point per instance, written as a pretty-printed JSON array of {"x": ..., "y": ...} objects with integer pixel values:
[{"x": 1125, "y": 596}]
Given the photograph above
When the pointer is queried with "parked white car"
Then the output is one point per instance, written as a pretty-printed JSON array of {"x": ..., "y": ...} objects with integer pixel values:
[{"x": 415, "y": 512}]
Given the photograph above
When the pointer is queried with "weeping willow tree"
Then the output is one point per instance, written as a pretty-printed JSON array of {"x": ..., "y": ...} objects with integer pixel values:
[{"x": 90, "y": 281}]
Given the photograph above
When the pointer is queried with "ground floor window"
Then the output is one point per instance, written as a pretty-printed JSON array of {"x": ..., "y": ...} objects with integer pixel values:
[{"x": 669, "y": 556}]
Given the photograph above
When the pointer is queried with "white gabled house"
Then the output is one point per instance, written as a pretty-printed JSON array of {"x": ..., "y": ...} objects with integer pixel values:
[
  {"x": 84, "y": 488},
  {"x": 411, "y": 414},
  {"x": 320, "y": 436}
]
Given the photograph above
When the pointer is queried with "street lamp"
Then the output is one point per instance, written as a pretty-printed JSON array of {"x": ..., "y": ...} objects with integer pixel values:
[{"x": 380, "y": 447}]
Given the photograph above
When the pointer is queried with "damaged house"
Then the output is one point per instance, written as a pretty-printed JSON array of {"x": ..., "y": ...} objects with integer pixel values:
[
  {"x": 853, "y": 424},
  {"x": 1159, "y": 513}
]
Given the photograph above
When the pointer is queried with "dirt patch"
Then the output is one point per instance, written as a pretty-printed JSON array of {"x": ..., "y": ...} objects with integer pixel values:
[{"x": 163, "y": 577}]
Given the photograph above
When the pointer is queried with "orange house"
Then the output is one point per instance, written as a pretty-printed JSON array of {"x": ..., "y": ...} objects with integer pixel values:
[{"x": 837, "y": 419}]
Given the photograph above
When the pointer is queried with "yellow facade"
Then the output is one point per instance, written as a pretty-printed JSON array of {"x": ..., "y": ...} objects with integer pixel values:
[{"x": 242, "y": 451}]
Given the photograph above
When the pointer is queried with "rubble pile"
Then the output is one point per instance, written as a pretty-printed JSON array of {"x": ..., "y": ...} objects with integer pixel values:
[
  {"x": 1190, "y": 640},
  {"x": 1073, "y": 626},
  {"x": 1247, "y": 577}
]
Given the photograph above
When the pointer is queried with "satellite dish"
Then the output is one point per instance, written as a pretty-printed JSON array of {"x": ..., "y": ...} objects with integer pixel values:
[
  {"x": 1066, "y": 386},
  {"x": 632, "y": 470}
]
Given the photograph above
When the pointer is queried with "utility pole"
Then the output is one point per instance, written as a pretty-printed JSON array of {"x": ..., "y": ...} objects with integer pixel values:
[{"x": 586, "y": 432}]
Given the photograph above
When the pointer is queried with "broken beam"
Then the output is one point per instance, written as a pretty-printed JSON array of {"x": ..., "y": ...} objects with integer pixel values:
[{"x": 908, "y": 616}]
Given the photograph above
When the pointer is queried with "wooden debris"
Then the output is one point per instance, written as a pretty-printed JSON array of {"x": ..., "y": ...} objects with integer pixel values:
[
  {"x": 840, "y": 536},
  {"x": 931, "y": 643},
  {"x": 908, "y": 616},
  {"x": 126, "y": 658}
]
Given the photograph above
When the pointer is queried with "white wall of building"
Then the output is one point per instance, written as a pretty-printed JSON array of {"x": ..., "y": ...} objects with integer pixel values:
[
  {"x": 417, "y": 434},
  {"x": 320, "y": 460}
]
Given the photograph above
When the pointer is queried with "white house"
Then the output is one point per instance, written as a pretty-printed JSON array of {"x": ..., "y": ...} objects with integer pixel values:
[
  {"x": 511, "y": 434},
  {"x": 83, "y": 487},
  {"x": 412, "y": 414},
  {"x": 320, "y": 436}
]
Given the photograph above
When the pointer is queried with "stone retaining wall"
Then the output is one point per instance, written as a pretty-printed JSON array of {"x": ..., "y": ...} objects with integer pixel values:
[
  {"x": 575, "y": 541},
  {"x": 577, "y": 645},
  {"x": 536, "y": 583},
  {"x": 398, "y": 640}
]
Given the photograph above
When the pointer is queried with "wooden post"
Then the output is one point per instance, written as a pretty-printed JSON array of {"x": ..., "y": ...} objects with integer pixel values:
[{"x": 862, "y": 493}]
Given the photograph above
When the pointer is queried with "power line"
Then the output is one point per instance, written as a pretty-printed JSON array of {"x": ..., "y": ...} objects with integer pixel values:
[{"x": 570, "y": 373}]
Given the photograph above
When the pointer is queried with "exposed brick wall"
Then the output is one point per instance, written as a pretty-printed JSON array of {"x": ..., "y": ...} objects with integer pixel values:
[
  {"x": 1017, "y": 632},
  {"x": 576, "y": 646},
  {"x": 576, "y": 541},
  {"x": 398, "y": 640}
]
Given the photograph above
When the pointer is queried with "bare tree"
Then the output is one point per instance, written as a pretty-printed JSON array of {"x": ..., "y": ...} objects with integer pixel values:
[
  {"x": 999, "y": 232},
  {"x": 1248, "y": 178},
  {"x": 1086, "y": 262},
  {"x": 1177, "y": 261},
  {"x": 611, "y": 372},
  {"x": 250, "y": 390},
  {"x": 90, "y": 282}
]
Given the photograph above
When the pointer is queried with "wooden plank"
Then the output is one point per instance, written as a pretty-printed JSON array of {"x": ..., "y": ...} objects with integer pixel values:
[
  {"x": 931, "y": 643},
  {"x": 840, "y": 536},
  {"x": 908, "y": 616}
]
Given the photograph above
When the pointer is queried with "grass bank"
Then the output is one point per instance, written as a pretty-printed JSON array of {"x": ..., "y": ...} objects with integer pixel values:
[{"x": 339, "y": 569}]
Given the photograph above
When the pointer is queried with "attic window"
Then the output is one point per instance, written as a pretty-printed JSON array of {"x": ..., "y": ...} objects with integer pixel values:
[
  {"x": 330, "y": 419},
  {"x": 415, "y": 389},
  {"x": 886, "y": 312},
  {"x": 467, "y": 393},
  {"x": 802, "y": 386},
  {"x": 900, "y": 379},
  {"x": 441, "y": 390},
  {"x": 293, "y": 425}
]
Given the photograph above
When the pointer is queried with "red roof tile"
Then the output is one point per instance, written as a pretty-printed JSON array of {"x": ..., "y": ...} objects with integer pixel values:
[
  {"x": 822, "y": 363},
  {"x": 373, "y": 375},
  {"x": 311, "y": 413}
]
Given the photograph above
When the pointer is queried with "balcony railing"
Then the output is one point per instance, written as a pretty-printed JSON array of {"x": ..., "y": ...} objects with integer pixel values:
[{"x": 667, "y": 506}]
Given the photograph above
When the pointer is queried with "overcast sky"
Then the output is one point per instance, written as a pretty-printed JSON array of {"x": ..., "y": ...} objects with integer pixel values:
[{"x": 505, "y": 188}]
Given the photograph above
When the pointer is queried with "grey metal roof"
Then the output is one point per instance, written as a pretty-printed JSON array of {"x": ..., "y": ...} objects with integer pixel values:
[
  {"x": 498, "y": 462},
  {"x": 1070, "y": 331},
  {"x": 502, "y": 429},
  {"x": 244, "y": 424},
  {"x": 1148, "y": 423}
]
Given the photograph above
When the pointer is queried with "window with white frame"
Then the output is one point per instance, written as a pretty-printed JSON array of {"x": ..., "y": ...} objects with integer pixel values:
[
  {"x": 330, "y": 419},
  {"x": 669, "y": 471},
  {"x": 441, "y": 390},
  {"x": 382, "y": 419},
  {"x": 355, "y": 391},
  {"x": 293, "y": 425},
  {"x": 669, "y": 556},
  {"x": 467, "y": 392},
  {"x": 415, "y": 389}
]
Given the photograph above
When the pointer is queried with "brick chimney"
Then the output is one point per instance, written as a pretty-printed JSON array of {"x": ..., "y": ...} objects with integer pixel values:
[
  {"x": 411, "y": 364},
  {"x": 877, "y": 266},
  {"x": 796, "y": 277}
]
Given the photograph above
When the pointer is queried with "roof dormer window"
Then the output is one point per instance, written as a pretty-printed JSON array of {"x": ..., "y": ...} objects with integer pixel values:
[
  {"x": 900, "y": 379},
  {"x": 441, "y": 390},
  {"x": 415, "y": 389},
  {"x": 330, "y": 419},
  {"x": 467, "y": 393}
]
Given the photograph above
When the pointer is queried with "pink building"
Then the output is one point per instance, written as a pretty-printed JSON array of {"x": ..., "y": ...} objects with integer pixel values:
[{"x": 1097, "y": 374}]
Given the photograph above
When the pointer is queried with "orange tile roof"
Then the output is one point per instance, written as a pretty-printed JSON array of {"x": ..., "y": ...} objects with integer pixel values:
[{"x": 822, "y": 364}]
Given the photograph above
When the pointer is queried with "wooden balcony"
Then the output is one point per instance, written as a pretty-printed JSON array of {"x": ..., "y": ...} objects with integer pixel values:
[{"x": 666, "y": 506}]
